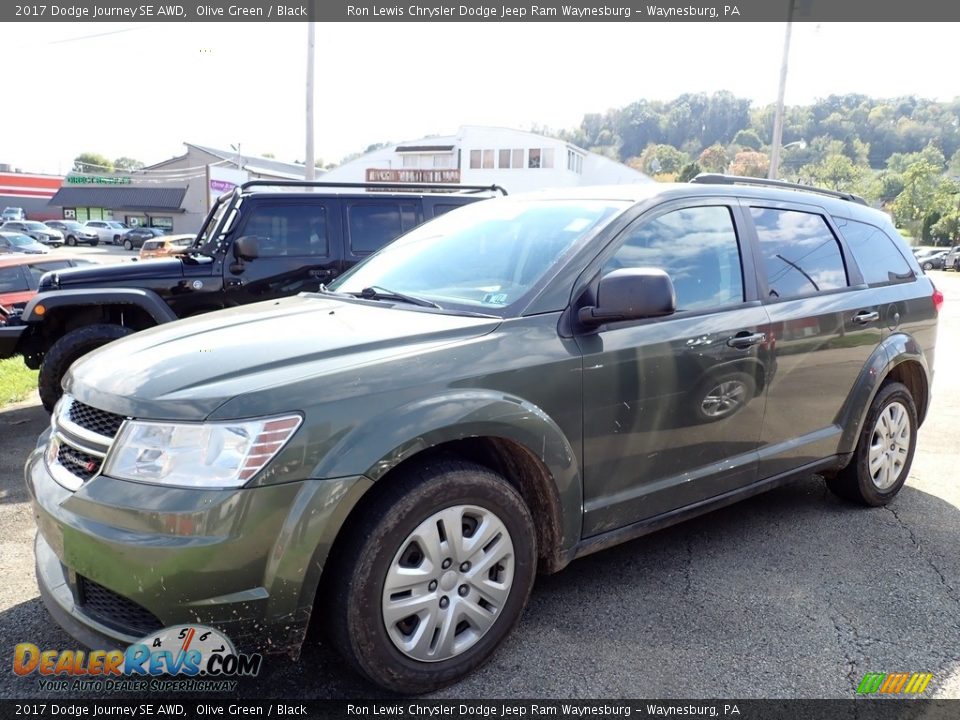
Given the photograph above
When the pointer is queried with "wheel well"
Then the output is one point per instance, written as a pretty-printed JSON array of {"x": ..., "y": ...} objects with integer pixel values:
[
  {"x": 59, "y": 321},
  {"x": 520, "y": 467},
  {"x": 911, "y": 374}
]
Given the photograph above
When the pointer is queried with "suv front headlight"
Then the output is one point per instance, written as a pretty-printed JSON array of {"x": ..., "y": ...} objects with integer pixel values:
[{"x": 201, "y": 455}]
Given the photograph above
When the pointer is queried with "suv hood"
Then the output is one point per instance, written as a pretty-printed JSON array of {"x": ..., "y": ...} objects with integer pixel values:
[
  {"x": 120, "y": 273},
  {"x": 185, "y": 370}
]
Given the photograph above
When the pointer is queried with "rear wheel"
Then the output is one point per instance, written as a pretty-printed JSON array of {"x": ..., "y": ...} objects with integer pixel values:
[
  {"x": 127, "y": 245},
  {"x": 433, "y": 578},
  {"x": 116, "y": 239},
  {"x": 71, "y": 347},
  {"x": 927, "y": 266},
  {"x": 884, "y": 453}
]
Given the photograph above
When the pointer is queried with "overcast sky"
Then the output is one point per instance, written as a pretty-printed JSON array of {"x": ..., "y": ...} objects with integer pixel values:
[{"x": 141, "y": 90}]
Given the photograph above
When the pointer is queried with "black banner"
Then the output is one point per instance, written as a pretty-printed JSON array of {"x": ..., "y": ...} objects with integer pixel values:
[
  {"x": 862, "y": 709},
  {"x": 479, "y": 11}
]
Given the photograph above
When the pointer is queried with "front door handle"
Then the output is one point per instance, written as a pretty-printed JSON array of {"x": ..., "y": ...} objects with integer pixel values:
[
  {"x": 865, "y": 317},
  {"x": 745, "y": 339}
]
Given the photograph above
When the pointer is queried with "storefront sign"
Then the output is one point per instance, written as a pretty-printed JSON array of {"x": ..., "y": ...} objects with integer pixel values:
[
  {"x": 97, "y": 180},
  {"x": 389, "y": 175}
]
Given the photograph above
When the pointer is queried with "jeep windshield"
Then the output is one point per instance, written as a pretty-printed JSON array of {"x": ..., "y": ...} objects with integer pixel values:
[
  {"x": 485, "y": 256},
  {"x": 207, "y": 241}
]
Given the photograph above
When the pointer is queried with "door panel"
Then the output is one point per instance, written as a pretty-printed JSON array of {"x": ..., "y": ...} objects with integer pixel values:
[
  {"x": 673, "y": 408},
  {"x": 822, "y": 333},
  {"x": 298, "y": 250}
]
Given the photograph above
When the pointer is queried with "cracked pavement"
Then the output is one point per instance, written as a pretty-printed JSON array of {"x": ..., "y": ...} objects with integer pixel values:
[{"x": 791, "y": 594}]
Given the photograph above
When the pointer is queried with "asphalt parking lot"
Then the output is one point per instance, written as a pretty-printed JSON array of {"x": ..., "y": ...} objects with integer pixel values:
[{"x": 790, "y": 594}]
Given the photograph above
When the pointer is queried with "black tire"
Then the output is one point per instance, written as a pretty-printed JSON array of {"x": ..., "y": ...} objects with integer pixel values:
[
  {"x": 127, "y": 245},
  {"x": 927, "y": 266},
  {"x": 94, "y": 243},
  {"x": 62, "y": 354},
  {"x": 354, "y": 588},
  {"x": 71, "y": 241},
  {"x": 745, "y": 385},
  {"x": 116, "y": 239},
  {"x": 856, "y": 482}
]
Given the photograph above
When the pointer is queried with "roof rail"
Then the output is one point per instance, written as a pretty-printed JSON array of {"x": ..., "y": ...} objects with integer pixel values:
[
  {"x": 719, "y": 179},
  {"x": 404, "y": 187}
]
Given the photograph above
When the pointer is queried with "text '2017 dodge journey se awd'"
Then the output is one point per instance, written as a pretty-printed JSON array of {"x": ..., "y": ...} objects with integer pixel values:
[{"x": 516, "y": 384}]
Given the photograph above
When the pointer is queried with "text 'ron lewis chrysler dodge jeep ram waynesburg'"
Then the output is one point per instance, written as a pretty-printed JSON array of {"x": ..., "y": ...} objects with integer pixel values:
[{"x": 516, "y": 384}]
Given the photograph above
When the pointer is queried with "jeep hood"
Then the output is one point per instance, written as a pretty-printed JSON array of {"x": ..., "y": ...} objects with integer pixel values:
[
  {"x": 119, "y": 273},
  {"x": 186, "y": 369}
]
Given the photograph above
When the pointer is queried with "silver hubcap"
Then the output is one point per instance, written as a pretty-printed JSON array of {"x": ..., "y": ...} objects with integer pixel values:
[
  {"x": 724, "y": 398},
  {"x": 448, "y": 583},
  {"x": 889, "y": 446}
]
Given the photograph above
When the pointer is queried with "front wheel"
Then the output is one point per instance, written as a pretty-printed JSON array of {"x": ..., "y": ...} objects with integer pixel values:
[
  {"x": 433, "y": 578},
  {"x": 884, "y": 453},
  {"x": 71, "y": 241},
  {"x": 62, "y": 354}
]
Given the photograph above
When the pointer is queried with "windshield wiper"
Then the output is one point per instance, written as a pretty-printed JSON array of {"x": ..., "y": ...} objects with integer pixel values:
[{"x": 379, "y": 293}]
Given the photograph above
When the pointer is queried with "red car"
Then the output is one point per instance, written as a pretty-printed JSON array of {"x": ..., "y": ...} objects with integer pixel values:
[{"x": 19, "y": 275}]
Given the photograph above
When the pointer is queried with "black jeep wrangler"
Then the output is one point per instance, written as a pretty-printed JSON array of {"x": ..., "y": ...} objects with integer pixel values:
[{"x": 263, "y": 240}]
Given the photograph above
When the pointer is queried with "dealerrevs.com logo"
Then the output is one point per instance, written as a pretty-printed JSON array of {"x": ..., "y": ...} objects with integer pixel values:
[{"x": 193, "y": 657}]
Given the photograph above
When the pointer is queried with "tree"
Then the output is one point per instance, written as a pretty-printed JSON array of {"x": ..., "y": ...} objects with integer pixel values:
[
  {"x": 748, "y": 138},
  {"x": 688, "y": 172},
  {"x": 92, "y": 163},
  {"x": 750, "y": 163},
  {"x": 662, "y": 160},
  {"x": 714, "y": 159},
  {"x": 127, "y": 164},
  {"x": 836, "y": 172}
]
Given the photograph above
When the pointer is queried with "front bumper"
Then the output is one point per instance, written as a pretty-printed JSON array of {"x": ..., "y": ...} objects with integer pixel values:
[
  {"x": 244, "y": 561},
  {"x": 9, "y": 338}
]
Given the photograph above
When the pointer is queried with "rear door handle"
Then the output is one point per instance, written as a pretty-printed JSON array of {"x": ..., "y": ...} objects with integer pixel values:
[
  {"x": 746, "y": 339},
  {"x": 865, "y": 317}
]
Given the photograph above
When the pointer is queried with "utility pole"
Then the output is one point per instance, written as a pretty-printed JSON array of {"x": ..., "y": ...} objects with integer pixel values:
[
  {"x": 311, "y": 49},
  {"x": 778, "y": 116}
]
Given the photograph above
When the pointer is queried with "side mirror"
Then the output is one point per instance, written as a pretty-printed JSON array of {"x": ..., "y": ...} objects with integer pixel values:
[
  {"x": 246, "y": 247},
  {"x": 631, "y": 294}
]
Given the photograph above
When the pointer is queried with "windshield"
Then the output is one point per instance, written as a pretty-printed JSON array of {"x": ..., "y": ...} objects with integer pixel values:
[
  {"x": 486, "y": 255},
  {"x": 20, "y": 239},
  {"x": 116, "y": 225},
  {"x": 35, "y": 226}
]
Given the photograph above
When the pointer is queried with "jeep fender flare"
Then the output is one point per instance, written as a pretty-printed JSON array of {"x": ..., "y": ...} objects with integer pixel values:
[
  {"x": 375, "y": 448},
  {"x": 893, "y": 351},
  {"x": 147, "y": 300}
]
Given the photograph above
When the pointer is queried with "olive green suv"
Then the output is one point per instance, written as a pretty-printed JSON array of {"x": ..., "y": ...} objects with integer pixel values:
[{"x": 511, "y": 386}]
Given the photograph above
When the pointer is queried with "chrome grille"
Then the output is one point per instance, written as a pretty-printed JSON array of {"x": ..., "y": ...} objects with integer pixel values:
[
  {"x": 78, "y": 463},
  {"x": 96, "y": 421}
]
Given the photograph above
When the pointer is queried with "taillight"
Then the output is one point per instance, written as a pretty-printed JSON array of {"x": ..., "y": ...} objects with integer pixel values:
[{"x": 937, "y": 300}]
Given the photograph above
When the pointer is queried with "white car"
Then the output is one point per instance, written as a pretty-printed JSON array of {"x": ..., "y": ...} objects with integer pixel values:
[{"x": 109, "y": 231}]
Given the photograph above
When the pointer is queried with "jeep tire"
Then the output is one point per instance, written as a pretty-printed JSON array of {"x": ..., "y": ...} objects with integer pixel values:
[
  {"x": 432, "y": 576},
  {"x": 884, "y": 453},
  {"x": 66, "y": 350}
]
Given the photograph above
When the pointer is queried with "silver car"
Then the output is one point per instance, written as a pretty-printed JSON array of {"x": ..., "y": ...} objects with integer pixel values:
[
  {"x": 952, "y": 259},
  {"x": 74, "y": 232},
  {"x": 37, "y": 230}
]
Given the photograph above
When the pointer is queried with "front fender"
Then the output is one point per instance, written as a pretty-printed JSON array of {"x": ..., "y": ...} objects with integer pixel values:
[
  {"x": 147, "y": 300},
  {"x": 894, "y": 350},
  {"x": 375, "y": 448}
]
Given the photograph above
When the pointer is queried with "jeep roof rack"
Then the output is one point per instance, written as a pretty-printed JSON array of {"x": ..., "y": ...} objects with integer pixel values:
[
  {"x": 719, "y": 179},
  {"x": 400, "y": 187}
]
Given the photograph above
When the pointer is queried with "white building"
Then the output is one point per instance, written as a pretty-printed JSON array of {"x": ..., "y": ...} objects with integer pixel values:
[{"x": 513, "y": 159}]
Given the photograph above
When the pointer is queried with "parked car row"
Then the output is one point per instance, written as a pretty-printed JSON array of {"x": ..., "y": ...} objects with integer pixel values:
[
  {"x": 937, "y": 258},
  {"x": 20, "y": 277}
]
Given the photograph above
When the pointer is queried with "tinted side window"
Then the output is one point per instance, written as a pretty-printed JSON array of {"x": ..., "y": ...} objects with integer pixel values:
[
  {"x": 697, "y": 247},
  {"x": 876, "y": 253},
  {"x": 373, "y": 225},
  {"x": 289, "y": 230},
  {"x": 800, "y": 254},
  {"x": 12, "y": 280}
]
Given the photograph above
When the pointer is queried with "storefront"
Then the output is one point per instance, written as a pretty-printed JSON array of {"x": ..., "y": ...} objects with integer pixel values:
[{"x": 133, "y": 205}]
